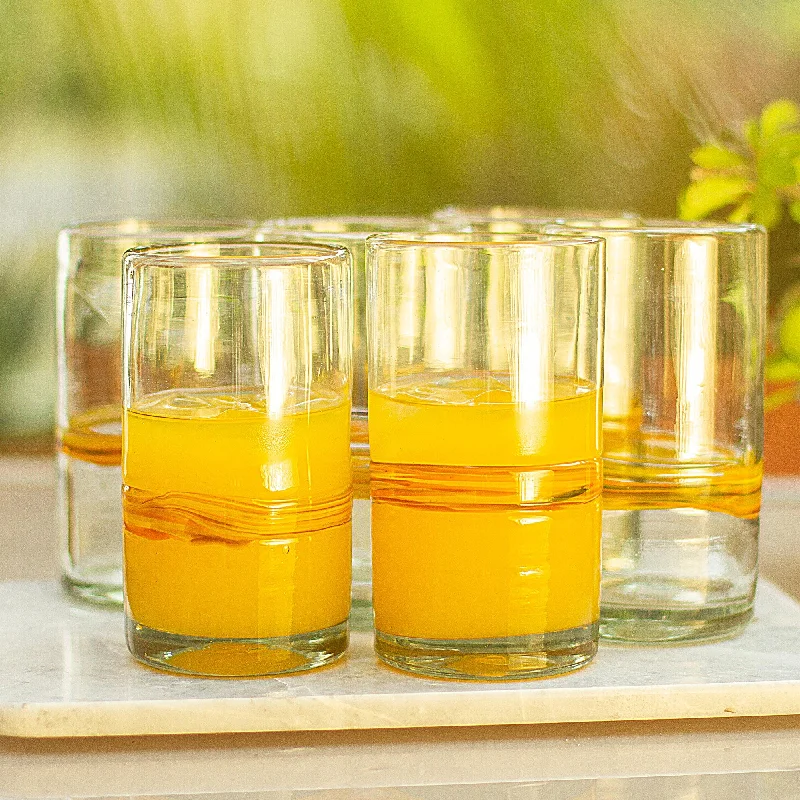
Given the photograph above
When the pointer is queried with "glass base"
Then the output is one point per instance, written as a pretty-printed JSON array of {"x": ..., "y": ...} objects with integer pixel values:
[
  {"x": 91, "y": 530},
  {"x": 648, "y": 625},
  {"x": 504, "y": 659},
  {"x": 106, "y": 592},
  {"x": 229, "y": 658},
  {"x": 676, "y": 575}
]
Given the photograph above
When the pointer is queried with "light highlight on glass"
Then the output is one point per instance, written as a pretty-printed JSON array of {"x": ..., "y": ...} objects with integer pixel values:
[{"x": 352, "y": 233}]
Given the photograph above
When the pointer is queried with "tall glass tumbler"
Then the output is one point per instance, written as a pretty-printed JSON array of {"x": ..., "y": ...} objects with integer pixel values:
[
  {"x": 683, "y": 427},
  {"x": 484, "y": 405},
  {"x": 237, "y": 492},
  {"x": 352, "y": 233},
  {"x": 89, "y": 323},
  {"x": 522, "y": 219}
]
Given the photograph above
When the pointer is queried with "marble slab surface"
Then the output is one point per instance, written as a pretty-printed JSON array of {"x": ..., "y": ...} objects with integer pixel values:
[{"x": 66, "y": 672}]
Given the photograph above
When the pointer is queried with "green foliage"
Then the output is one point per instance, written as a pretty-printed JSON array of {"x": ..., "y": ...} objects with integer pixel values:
[
  {"x": 709, "y": 194},
  {"x": 778, "y": 116},
  {"x": 751, "y": 177},
  {"x": 714, "y": 156},
  {"x": 789, "y": 333}
]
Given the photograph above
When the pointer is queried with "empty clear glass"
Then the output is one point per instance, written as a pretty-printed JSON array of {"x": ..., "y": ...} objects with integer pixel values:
[
  {"x": 522, "y": 219},
  {"x": 89, "y": 318},
  {"x": 682, "y": 427},
  {"x": 352, "y": 233}
]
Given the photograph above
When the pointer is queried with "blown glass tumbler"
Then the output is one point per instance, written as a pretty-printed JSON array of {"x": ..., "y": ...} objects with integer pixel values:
[
  {"x": 484, "y": 403},
  {"x": 682, "y": 427},
  {"x": 89, "y": 322},
  {"x": 236, "y": 457},
  {"x": 352, "y": 233},
  {"x": 521, "y": 219}
]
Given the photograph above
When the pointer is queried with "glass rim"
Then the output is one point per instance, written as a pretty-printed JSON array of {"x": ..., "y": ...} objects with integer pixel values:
[
  {"x": 298, "y": 226},
  {"x": 178, "y": 256},
  {"x": 477, "y": 240},
  {"x": 530, "y": 214},
  {"x": 161, "y": 228},
  {"x": 665, "y": 227}
]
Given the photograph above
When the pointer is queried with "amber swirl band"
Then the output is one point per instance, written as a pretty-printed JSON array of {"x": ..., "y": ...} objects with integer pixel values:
[
  {"x": 722, "y": 487},
  {"x": 486, "y": 487},
  {"x": 199, "y": 517}
]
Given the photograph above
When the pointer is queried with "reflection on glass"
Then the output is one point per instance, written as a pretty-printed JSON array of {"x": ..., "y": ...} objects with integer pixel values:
[{"x": 352, "y": 233}]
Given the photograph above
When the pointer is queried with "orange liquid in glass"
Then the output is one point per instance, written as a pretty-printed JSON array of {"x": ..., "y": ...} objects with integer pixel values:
[
  {"x": 237, "y": 524},
  {"x": 94, "y": 436},
  {"x": 486, "y": 512}
]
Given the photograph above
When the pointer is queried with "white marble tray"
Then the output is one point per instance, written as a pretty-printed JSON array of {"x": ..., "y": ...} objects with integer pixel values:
[{"x": 65, "y": 671}]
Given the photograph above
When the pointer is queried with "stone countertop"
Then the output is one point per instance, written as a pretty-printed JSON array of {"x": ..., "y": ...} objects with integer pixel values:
[
  {"x": 745, "y": 757},
  {"x": 68, "y": 673}
]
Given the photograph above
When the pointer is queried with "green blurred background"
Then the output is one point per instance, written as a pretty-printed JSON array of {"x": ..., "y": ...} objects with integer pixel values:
[{"x": 274, "y": 107}]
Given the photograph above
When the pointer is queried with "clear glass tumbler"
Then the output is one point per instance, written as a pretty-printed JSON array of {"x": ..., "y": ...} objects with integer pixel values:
[
  {"x": 484, "y": 406},
  {"x": 237, "y": 492},
  {"x": 89, "y": 322},
  {"x": 352, "y": 233},
  {"x": 526, "y": 219},
  {"x": 682, "y": 428}
]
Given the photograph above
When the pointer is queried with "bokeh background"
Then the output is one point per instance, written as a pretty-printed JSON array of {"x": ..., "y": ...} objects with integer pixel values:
[{"x": 259, "y": 108}]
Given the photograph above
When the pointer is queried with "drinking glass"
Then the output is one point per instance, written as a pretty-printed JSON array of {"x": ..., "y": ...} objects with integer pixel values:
[
  {"x": 485, "y": 372},
  {"x": 522, "y": 219},
  {"x": 682, "y": 427},
  {"x": 237, "y": 493},
  {"x": 89, "y": 320},
  {"x": 352, "y": 233}
]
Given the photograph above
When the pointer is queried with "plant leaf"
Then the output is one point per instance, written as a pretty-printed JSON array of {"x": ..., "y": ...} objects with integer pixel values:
[
  {"x": 710, "y": 194},
  {"x": 794, "y": 210},
  {"x": 742, "y": 212},
  {"x": 780, "y": 369},
  {"x": 786, "y": 143},
  {"x": 789, "y": 333},
  {"x": 778, "y": 116},
  {"x": 780, "y": 397},
  {"x": 766, "y": 208},
  {"x": 776, "y": 169},
  {"x": 714, "y": 156},
  {"x": 752, "y": 134}
]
